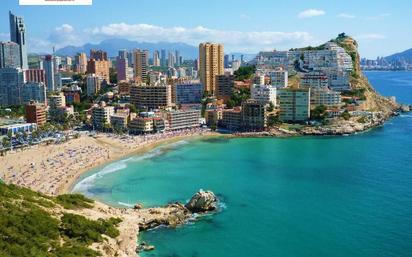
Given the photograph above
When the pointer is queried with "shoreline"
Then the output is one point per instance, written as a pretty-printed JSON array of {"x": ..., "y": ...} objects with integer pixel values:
[{"x": 66, "y": 189}]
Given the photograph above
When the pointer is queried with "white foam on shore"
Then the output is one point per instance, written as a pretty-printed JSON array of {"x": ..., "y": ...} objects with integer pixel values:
[
  {"x": 126, "y": 204},
  {"x": 85, "y": 184},
  {"x": 405, "y": 116}
]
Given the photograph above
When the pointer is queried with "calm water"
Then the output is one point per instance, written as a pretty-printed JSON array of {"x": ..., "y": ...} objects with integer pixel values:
[{"x": 325, "y": 196}]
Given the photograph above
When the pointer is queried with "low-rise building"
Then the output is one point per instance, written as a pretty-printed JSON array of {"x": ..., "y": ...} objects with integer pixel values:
[
  {"x": 294, "y": 104},
  {"x": 314, "y": 79},
  {"x": 213, "y": 117},
  {"x": 119, "y": 120},
  {"x": 15, "y": 128},
  {"x": 141, "y": 125},
  {"x": 101, "y": 115},
  {"x": 232, "y": 118},
  {"x": 72, "y": 94},
  {"x": 183, "y": 119},
  {"x": 35, "y": 113}
]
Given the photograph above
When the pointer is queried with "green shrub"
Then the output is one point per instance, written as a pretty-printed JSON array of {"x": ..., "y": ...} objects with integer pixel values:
[{"x": 74, "y": 201}]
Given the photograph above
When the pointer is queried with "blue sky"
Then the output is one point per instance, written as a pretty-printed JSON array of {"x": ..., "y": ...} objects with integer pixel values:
[{"x": 381, "y": 27}]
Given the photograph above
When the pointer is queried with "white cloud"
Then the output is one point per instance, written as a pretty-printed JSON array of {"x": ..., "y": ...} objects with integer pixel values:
[
  {"x": 309, "y": 13},
  {"x": 378, "y": 17},
  {"x": 346, "y": 16},
  {"x": 371, "y": 36},
  {"x": 248, "y": 42},
  {"x": 234, "y": 40}
]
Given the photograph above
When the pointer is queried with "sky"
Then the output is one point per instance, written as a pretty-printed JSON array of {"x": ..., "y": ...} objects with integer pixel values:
[{"x": 380, "y": 26}]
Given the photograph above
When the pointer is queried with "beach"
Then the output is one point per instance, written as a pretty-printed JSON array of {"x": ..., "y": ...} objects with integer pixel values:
[{"x": 52, "y": 169}]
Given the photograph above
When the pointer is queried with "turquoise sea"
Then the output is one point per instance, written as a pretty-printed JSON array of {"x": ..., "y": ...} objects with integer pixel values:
[{"x": 294, "y": 197}]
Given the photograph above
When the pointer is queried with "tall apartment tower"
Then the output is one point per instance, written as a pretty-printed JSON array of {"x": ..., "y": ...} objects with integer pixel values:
[
  {"x": 210, "y": 65},
  {"x": 49, "y": 71},
  {"x": 18, "y": 35},
  {"x": 98, "y": 55},
  {"x": 81, "y": 62},
  {"x": 163, "y": 57},
  {"x": 9, "y": 55},
  {"x": 156, "y": 58},
  {"x": 141, "y": 64}
]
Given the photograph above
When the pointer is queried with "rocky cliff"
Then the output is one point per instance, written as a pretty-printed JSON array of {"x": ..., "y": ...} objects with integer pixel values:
[{"x": 374, "y": 101}]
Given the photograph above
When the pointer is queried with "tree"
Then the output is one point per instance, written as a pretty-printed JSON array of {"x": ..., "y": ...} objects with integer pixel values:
[
  {"x": 319, "y": 113},
  {"x": 271, "y": 107},
  {"x": 245, "y": 72},
  {"x": 345, "y": 115}
]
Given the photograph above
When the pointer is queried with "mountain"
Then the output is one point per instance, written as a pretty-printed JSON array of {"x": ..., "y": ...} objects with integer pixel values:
[
  {"x": 402, "y": 56},
  {"x": 112, "y": 46}
]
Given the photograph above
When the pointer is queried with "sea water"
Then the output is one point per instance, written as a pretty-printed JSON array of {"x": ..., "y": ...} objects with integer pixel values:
[{"x": 307, "y": 196}]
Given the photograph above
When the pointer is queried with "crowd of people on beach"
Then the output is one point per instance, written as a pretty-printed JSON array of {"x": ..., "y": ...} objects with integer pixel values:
[{"x": 49, "y": 168}]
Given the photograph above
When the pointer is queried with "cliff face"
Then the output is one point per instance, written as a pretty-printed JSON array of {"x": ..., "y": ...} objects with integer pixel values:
[{"x": 374, "y": 101}]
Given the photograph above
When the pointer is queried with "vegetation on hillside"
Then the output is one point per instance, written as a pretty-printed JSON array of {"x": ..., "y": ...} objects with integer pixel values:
[
  {"x": 27, "y": 227},
  {"x": 238, "y": 96},
  {"x": 245, "y": 72}
]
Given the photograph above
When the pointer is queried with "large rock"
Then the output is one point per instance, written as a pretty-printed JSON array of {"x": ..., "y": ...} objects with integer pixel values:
[{"x": 202, "y": 201}]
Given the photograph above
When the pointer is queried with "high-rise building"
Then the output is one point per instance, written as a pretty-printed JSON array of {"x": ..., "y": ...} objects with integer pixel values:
[
  {"x": 35, "y": 113},
  {"x": 93, "y": 83},
  {"x": 163, "y": 58},
  {"x": 18, "y": 35},
  {"x": 49, "y": 71},
  {"x": 171, "y": 59},
  {"x": 33, "y": 91},
  {"x": 254, "y": 115},
  {"x": 151, "y": 96},
  {"x": 141, "y": 65},
  {"x": 9, "y": 55},
  {"x": 11, "y": 81},
  {"x": 35, "y": 75},
  {"x": 183, "y": 119},
  {"x": 294, "y": 104},
  {"x": 98, "y": 55},
  {"x": 177, "y": 58},
  {"x": 224, "y": 86},
  {"x": 100, "y": 68},
  {"x": 123, "y": 54},
  {"x": 263, "y": 94},
  {"x": 81, "y": 62},
  {"x": 101, "y": 115},
  {"x": 156, "y": 59},
  {"x": 210, "y": 65},
  {"x": 226, "y": 61},
  {"x": 188, "y": 93},
  {"x": 121, "y": 68}
]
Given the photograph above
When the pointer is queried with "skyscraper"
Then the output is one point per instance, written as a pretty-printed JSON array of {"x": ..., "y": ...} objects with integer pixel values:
[
  {"x": 163, "y": 58},
  {"x": 226, "y": 61},
  {"x": 11, "y": 81},
  {"x": 9, "y": 55},
  {"x": 123, "y": 54},
  {"x": 81, "y": 63},
  {"x": 171, "y": 59},
  {"x": 210, "y": 65},
  {"x": 177, "y": 58},
  {"x": 141, "y": 64},
  {"x": 121, "y": 68},
  {"x": 49, "y": 70},
  {"x": 98, "y": 55},
  {"x": 156, "y": 59},
  {"x": 18, "y": 35}
]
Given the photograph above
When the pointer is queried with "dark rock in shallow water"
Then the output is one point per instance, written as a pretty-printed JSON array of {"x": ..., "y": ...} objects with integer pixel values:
[{"x": 202, "y": 201}]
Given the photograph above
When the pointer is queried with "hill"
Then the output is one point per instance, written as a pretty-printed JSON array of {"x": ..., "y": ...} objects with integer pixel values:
[
  {"x": 359, "y": 82},
  {"x": 112, "y": 46},
  {"x": 402, "y": 56}
]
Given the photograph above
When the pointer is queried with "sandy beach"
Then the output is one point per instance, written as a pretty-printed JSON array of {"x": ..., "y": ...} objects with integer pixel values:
[{"x": 52, "y": 169}]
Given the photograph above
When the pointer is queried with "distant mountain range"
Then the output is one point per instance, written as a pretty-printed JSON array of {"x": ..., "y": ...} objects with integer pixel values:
[
  {"x": 112, "y": 46},
  {"x": 402, "y": 56}
]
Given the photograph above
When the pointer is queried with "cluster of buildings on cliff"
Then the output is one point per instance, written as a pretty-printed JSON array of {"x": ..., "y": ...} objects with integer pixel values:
[{"x": 142, "y": 92}]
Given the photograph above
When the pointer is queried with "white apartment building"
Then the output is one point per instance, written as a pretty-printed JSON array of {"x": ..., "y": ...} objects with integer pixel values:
[
  {"x": 264, "y": 94},
  {"x": 294, "y": 104}
]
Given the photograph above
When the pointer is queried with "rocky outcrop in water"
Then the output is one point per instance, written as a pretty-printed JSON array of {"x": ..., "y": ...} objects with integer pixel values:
[{"x": 202, "y": 201}]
